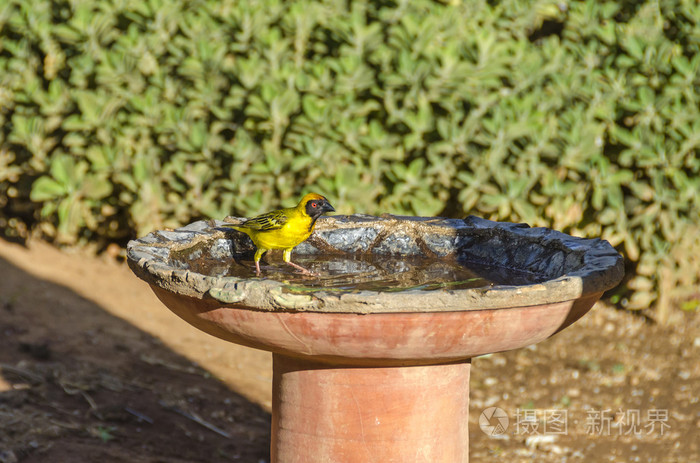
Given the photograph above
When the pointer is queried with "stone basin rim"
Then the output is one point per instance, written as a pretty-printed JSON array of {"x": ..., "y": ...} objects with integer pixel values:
[{"x": 600, "y": 269}]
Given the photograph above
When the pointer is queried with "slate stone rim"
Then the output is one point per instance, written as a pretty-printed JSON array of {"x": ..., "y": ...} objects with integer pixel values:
[{"x": 585, "y": 266}]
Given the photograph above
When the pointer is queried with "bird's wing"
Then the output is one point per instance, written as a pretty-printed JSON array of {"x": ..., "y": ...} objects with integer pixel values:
[{"x": 269, "y": 221}]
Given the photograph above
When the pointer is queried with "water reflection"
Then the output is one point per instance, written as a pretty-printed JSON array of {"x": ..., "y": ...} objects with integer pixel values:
[{"x": 356, "y": 272}]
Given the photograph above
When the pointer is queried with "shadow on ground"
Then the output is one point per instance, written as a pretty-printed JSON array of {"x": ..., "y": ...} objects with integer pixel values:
[{"x": 78, "y": 384}]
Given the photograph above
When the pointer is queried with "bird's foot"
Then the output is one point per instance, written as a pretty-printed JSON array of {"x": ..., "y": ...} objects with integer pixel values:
[{"x": 302, "y": 269}]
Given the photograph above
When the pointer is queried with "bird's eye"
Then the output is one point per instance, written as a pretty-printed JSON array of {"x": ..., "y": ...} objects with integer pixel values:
[{"x": 314, "y": 205}]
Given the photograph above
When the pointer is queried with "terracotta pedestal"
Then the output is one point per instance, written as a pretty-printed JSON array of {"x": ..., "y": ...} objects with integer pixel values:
[{"x": 324, "y": 412}]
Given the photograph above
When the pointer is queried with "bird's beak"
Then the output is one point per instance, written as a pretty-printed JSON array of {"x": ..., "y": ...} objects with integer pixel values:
[{"x": 326, "y": 207}]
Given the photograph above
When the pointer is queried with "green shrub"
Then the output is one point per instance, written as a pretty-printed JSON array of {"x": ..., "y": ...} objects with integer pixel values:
[{"x": 120, "y": 117}]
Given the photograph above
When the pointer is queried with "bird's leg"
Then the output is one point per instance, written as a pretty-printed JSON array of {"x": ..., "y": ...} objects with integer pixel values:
[
  {"x": 258, "y": 255},
  {"x": 301, "y": 269},
  {"x": 287, "y": 257}
]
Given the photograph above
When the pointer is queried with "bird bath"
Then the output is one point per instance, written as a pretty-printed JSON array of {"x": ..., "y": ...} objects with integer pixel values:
[{"x": 371, "y": 359}]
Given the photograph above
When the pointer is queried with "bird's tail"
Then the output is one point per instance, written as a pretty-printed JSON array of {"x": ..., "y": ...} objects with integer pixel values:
[{"x": 237, "y": 228}]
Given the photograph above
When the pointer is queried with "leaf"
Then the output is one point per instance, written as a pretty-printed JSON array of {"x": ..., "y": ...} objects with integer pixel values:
[
  {"x": 69, "y": 219},
  {"x": 45, "y": 189},
  {"x": 96, "y": 187},
  {"x": 63, "y": 170}
]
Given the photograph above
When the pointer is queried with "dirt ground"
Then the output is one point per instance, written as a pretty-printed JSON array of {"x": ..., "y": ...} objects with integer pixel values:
[{"x": 93, "y": 368}]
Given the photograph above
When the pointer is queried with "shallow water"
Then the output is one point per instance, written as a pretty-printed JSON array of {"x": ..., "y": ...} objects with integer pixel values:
[{"x": 362, "y": 272}]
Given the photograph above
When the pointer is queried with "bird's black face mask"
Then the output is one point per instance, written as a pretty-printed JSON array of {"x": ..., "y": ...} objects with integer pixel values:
[{"x": 316, "y": 207}]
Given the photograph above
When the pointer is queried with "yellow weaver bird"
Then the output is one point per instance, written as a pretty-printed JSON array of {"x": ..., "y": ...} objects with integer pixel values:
[{"x": 285, "y": 228}]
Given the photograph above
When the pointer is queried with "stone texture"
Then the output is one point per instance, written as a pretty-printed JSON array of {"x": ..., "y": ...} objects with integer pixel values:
[{"x": 351, "y": 240}]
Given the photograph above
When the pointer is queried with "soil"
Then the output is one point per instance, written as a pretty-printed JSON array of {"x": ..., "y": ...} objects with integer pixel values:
[{"x": 94, "y": 368}]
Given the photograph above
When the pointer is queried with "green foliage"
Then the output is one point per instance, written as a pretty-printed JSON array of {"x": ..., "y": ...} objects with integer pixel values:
[
  {"x": 73, "y": 193},
  {"x": 121, "y": 117}
]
